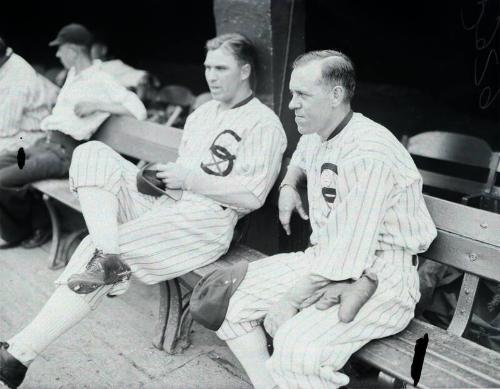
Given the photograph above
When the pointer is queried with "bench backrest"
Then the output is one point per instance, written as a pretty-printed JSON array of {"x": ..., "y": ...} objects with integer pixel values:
[
  {"x": 461, "y": 154},
  {"x": 468, "y": 240},
  {"x": 147, "y": 141}
]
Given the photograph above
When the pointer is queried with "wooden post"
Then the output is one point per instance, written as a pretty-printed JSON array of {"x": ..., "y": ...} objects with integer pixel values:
[{"x": 277, "y": 29}]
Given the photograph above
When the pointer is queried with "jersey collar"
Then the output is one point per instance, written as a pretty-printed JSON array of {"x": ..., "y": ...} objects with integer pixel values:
[
  {"x": 244, "y": 101},
  {"x": 8, "y": 54},
  {"x": 341, "y": 125}
]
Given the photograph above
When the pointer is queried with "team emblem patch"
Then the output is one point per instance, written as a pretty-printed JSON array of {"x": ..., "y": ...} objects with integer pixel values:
[
  {"x": 222, "y": 155},
  {"x": 327, "y": 181}
]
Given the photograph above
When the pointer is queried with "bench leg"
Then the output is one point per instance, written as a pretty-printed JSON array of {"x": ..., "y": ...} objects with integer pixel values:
[
  {"x": 70, "y": 244},
  {"x": 169, "y": 319},
  {"x": 186, "y": 323},
  {"x": 56, "y": 234}
]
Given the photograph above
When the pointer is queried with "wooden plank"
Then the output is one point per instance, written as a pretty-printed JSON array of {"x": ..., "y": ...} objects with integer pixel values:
[
  {"x": 454, "y": 184},
  {"x": 58, "y": 189},
  {"x": 463, "y": 310},
  {"x": 465, "y": 254},
  {"x": 140, "y": 139},
  {"x": 451, "y": 361},
  {"x": 465, "y": 221}
]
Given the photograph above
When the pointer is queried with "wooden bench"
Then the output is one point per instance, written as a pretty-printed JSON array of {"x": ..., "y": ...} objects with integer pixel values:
[
  {"x": 453, "y": 165},
  {"x": 467, "y": 240}
]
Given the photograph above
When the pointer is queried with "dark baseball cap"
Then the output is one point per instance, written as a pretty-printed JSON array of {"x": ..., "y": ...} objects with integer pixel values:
[
  {"x": 73, "y": 33},
  {"x": 211, "y": 295}
]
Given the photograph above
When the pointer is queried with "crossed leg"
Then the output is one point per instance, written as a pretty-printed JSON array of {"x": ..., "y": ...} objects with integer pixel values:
[{"x": 159, "y": 239}]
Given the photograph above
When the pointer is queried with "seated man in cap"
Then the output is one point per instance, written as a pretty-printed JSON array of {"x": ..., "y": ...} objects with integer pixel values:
[
  {"x": 229, "y": 158},
  {"x": 87, "y": 98},
  {"x": 26, "y": 98},
  {"x": 368, "y": 219}
]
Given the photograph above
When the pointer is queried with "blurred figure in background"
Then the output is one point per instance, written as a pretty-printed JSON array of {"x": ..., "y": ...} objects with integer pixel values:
[
  {"x": 26, "y": 98},
  {"x": 171, "y": 106}
]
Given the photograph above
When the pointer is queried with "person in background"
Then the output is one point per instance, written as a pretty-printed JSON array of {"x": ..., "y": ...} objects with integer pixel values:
[
  {"x": 85, "y": 101},
  {"x": 26, "y": 98}
]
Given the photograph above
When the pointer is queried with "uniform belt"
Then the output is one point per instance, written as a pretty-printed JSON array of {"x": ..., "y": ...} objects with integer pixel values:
[{"x": 57, "y": 137}]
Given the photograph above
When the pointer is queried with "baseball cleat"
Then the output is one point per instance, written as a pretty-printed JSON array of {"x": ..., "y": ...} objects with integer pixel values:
[
  {"x": 12, "y": 371},
  {"x": 102, "y": 269}
]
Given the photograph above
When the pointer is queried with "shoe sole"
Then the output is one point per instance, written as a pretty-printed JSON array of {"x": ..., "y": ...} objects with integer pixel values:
[{"x": 80, "y": 286}]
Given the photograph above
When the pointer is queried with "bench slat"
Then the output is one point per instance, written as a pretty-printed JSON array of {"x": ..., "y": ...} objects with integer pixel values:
[
  {"x": 139, "y": 139},
  {"x": 59, "y": 190},
  {"x": 469, "y": 255},
  {"x": 481, "y": 225},
  {"x": 459, "y": 362}
]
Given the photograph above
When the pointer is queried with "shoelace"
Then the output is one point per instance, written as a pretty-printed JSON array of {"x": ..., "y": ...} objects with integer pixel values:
[
  {"x": 4, "y": 345},
  {"x": 94, "y": 265}
]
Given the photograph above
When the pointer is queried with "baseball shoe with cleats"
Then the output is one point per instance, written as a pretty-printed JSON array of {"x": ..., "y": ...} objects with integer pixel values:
[
  {"x": 12, "y": 371},
  {"x": 102, "y": 269}
]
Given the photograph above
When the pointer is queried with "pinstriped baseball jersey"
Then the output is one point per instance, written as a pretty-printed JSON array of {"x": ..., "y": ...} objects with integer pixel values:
[
  {"x": 365, "y": 194},
  {"x": 239, "y": 149}
]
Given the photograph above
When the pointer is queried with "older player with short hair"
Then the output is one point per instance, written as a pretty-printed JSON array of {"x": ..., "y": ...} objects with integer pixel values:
[
  {"x": 368, "y": 218},
  {"x": 229, "y": 158}
]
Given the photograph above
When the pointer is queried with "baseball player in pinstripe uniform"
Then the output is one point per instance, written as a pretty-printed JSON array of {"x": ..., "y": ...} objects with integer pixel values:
[
  {"x": 368, "y": 218},
  {"x": 229, "y": 158}
]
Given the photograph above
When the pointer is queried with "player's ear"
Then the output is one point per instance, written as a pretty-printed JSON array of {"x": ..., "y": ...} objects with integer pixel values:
[
  {"x": 245, "y": 71},
  {"x": 337, "y": 95}
]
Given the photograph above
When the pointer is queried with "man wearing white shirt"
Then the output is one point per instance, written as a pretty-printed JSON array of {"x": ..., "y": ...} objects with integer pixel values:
[
  {"x": 86, "y": 100},
  {"x": 25, "y": 99}
]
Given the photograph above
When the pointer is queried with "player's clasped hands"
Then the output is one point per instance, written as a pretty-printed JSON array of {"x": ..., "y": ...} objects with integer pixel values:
[
  {"x": 172, "y": 174},
  {"x": 289, "y": 200}
]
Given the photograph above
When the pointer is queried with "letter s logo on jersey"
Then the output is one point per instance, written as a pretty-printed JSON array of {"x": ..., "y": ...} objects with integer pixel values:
[{"x": 222, "y": 159}]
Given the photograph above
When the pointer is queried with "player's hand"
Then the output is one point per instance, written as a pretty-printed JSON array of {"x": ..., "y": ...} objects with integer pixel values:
[
  {"x": 277, "y": 315},
  {"x": 86, "y": 108},
  {"x": 289, "y": 200},
  {"x": 172, "y": 174},
  {"x": 350, "y": 295}
]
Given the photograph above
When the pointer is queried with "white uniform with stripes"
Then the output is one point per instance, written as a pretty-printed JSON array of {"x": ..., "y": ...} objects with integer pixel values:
[
  {"x": 161, "y": 239},
  {"x": 367, "y": 211}
]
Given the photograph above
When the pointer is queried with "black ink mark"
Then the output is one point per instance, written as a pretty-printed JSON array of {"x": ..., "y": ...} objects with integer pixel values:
[
  {"x": 21, "y": 158},
  {"x": 418, "y": 358}
]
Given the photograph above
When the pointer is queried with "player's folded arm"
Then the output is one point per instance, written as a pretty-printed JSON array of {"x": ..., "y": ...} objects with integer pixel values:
[{"x": 255, "y": 170}]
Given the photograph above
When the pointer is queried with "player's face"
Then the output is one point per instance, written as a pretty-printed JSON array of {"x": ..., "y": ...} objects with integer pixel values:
[
  {"x": 224, "y": 76},
  {"x": 311, "y": 102},
  {"x": 67, "y": 54}
]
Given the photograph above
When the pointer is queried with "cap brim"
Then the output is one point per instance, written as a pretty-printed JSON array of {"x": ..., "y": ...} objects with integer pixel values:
[{"x": 55, "y": 42}]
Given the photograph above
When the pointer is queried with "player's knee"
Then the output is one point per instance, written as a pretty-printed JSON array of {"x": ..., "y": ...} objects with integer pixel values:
[
  {"x": 87, "y": 150},
  {"x": 292, "y": 352}
]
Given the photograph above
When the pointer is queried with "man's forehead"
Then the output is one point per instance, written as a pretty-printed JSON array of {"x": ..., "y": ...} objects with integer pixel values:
[
  {"x": 307, "y": 75},
  {"x": 220, "y": 56}
]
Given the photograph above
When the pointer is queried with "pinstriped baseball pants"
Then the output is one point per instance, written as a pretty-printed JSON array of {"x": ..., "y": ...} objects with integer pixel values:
[
  {"x": 159, "y": 238},
  {"x": 311, "y": 347}
]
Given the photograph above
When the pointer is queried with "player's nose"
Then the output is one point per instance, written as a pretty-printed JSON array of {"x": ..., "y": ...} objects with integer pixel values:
[{"x": 293, "y": 104}]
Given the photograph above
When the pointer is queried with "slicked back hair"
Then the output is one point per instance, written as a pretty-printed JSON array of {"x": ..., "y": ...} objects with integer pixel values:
[
  {"x": 240, "y": 47},
  {"x": 336, "y": 69}
]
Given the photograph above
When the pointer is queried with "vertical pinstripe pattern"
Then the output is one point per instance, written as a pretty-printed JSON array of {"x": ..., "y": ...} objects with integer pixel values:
[
  {"x": 367, "y": 212},
  {"x": 25, "y": 99},
  {"x": 162, "y": 239},
  {"x": 311, "y": 348}
]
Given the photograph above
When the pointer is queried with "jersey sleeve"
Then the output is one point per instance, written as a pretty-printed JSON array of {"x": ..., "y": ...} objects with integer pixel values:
[
  {"x": 299, "y": 155},
  {"x": 346, "y": 244},
  {"x": 120, "y": 95},
  {"x": 12, "y": 104}
]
